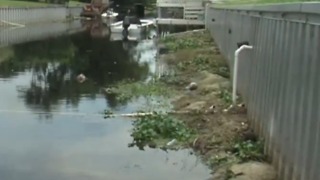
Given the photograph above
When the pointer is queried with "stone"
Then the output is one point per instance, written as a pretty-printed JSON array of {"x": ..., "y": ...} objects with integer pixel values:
[
  {"x": 192, "y": 86},
  {"x": 253, "y": 171}
]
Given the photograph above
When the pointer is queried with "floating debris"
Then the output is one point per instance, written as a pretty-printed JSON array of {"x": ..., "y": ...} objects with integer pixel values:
[
  {"x": 81, "y": 78},
  {"x": 170, "y": 143}
]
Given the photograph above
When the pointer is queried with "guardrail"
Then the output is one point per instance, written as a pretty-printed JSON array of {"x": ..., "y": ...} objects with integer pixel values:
[{"x": 278, "y": 79}]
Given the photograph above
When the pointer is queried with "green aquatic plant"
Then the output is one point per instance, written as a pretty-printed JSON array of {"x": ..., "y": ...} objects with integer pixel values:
[
  {"x": 249, "y": 150},
  {"x": 225, "y": 95},
  {"x": 158, "y": 127},
  {"x": 168, "y": 39},
  {"x": 199, "y": 62},
  {"x": 179, "y": 44},
  {"x": 126, "y": 90}
]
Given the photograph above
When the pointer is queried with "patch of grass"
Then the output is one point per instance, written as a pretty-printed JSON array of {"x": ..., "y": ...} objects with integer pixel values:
[
  {"x": 151, "y": 129},
  {"x": 218, "y": 160},
  {"x": 17, "y": 3},
  {"x": 252, "y": 2},
  {"x": 126, "y": 90},
  {"x": 249, "y": 150},
  {"x": 190, "y": 41},
  {"x": 223, "y": 71},
  {"x": 226, "y": 96},
  {"x": 168, "y": 39},
  {"x": 199, "y": 62},
  {"x": 14, "y": 3},
  {"x": 205, "y": 63},
  {"x": 241, "y": 151},
  {"x": 183, "y": 44},
  {"x": 76, "y": 3}
]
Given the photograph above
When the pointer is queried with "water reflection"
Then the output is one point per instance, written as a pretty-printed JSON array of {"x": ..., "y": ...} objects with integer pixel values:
[
  {"x": 54, "y": 63},
  {"x": 15, "y": 35},
  {"x": 50, "y": 124},
  {"x": 83, "y": 149},
  {"x": 97, "y": 28}
]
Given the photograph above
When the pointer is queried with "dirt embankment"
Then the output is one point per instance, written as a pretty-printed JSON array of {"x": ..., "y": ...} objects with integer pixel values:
[{"x": 224, "y": 138}]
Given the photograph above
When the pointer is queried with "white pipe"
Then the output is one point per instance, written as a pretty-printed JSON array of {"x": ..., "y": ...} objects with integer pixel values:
[
  {"x": 235, "y": 71},
  {"x": 206, "y": 16},
  {"x": 13, "y": 24}
]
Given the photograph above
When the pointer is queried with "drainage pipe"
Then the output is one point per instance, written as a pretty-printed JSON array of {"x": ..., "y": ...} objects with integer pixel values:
[
  {"x": 235, "y": 71},
  {"x": 11, "y": 23}
]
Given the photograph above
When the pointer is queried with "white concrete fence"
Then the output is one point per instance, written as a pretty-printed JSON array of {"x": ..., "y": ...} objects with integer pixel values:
[
  {"x": 15, "y": 35},
  {"x": 22, "y": 16}
]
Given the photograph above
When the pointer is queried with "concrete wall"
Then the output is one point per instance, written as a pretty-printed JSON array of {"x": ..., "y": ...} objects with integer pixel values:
[
  {"x": 74, "y": 11},
  {"x": 35, "y": 15},
  {"x": 279, "y": 79}
]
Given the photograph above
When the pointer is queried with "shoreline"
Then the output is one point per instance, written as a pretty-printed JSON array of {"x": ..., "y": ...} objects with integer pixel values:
[{"x": 224, "y": 139}]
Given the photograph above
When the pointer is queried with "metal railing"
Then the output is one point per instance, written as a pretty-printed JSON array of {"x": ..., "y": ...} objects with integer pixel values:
[{"x": 278, "y": 79}]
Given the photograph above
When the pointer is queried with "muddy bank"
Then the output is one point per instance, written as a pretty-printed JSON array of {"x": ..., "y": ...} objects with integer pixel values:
[
  {"x": 199, "y": 115},
  {"x": 222, "y": 137}
]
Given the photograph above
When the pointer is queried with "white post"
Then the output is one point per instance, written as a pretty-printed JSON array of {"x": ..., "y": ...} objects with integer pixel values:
[
  {"x": 206, "y": 11},
  {"x": 235, "y": 72}
]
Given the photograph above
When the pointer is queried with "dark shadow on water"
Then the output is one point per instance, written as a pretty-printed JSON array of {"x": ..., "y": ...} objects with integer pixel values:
[{"x": 54, "y": 64}]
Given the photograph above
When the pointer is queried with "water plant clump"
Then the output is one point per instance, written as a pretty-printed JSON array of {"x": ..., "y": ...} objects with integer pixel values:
[
  {"x": 152, "y": 129},
  {"x": 226, "y": 96},
  {"x": 126, "y": 91},
  {"x": 183, "y": 44},
  {"x": 249, "y": 150},
  {"x": 241, "y": 151},
  {"x": 174, "y": 44}
]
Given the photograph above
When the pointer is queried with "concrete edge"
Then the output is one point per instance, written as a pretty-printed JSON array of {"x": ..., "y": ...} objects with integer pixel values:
[{"x": 305, "y": 7}]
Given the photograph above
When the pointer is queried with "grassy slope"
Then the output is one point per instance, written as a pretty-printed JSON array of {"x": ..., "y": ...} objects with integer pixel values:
[
  {"x": 235, "y": 2},
  {"x": 16, "y": 3},
  {"x": 221, "y": 135}
]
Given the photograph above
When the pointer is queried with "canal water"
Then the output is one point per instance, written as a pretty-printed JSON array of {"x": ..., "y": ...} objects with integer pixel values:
[{"x": 52, "y": 126}]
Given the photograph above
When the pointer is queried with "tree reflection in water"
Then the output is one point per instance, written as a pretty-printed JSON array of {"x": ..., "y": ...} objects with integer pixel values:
[{"x": 55, "y": 62}]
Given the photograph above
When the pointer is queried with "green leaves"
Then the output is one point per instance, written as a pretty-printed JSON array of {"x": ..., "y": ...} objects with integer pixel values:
[
  {"x": 159, "y": 126},
  {"x": 174, "y": 43},
  {"x": 126, "y": 91},
  {"x": 183, "y": 44},
  {"x": 200, "y": 62},
  {"x": 249, "y": 150},
  {"x": 226, "y": 96}
]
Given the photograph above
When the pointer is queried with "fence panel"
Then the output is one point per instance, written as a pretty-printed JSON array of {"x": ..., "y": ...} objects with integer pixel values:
[
  {"x": 278, "y": 79},
  {"x": 22, "y": 16},
  {"x": 11, "y": 36}
]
